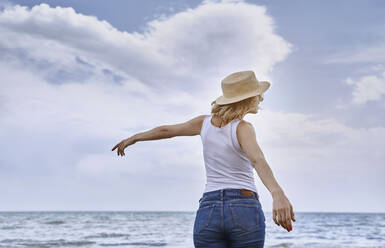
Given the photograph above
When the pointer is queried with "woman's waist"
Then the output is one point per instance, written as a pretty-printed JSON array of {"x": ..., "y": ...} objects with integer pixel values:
[
  {"x": 216, "y": 183},
  {"x": 225, "y": 176},
  {"x": 228, "y": 194}
]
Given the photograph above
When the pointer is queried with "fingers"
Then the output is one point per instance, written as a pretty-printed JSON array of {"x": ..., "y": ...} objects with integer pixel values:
[
  {"x": 284, "y": 219},
  {"x": 281, "y": 217},
  {"x": 292, "y": 213},
  {"x": 283, "y": 211},
  {"x": 275, "y": 217},
  {"x": 122, "y": 145},
  {"x": 120, "y": 151},
  {"x": 288, "y": 220},
  {"x": 114, "y": 147}
]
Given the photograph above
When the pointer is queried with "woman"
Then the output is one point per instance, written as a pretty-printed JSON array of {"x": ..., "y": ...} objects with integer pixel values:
[{"x": 229, "y": 213}]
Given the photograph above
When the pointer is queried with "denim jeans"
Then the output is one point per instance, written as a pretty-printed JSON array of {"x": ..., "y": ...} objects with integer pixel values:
[{"x": 226, "y": 218}]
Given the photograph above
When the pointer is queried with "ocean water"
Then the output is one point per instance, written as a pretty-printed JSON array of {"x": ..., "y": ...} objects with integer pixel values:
[{"x": 174, "y": 229}]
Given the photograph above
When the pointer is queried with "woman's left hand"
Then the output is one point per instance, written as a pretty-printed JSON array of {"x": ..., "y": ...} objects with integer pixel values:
[
  {"x": 122, "y": 145},
  {"x": 283, "y": 212}
]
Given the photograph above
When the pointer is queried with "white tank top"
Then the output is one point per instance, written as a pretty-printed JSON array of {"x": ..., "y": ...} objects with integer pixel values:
[{"x": 227, "y": 165}]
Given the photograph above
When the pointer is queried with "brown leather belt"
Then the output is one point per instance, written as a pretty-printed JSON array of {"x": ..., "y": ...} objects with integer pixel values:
[{"x": 247, "y": 192}]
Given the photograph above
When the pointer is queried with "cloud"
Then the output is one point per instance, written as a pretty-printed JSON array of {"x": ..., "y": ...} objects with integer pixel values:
[
  {"x": 213, "y": 39},
  {"x": 301, "y": 138},
  {"x": 367, "y": 88}
]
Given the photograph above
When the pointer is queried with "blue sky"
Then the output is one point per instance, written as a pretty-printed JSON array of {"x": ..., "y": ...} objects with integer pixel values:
[{"x": 79, "y": 76}]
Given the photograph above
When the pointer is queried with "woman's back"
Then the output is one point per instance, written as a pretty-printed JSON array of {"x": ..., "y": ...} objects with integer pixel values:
[{"x": 227, "y": 166}]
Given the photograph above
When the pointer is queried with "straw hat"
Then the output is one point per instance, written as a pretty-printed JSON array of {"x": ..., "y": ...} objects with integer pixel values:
[{"x": 241, "y": 85}]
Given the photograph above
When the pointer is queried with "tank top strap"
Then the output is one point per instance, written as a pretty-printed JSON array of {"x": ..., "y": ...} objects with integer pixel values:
[{"x": 234, "y": 136}]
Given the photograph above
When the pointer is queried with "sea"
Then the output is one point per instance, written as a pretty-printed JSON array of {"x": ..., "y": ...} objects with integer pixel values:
[{"x": 174, "y": 229}]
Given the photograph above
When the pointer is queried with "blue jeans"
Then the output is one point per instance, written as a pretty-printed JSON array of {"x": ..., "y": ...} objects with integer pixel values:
[{"x": 226, "y": 218}]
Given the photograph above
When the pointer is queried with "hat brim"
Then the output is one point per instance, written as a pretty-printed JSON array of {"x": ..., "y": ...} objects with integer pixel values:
[{"x": 264, "y": 85}]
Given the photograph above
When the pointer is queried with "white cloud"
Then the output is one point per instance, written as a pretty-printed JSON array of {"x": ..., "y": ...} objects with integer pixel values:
[
  {"x": 296, "y": 139},
  {"x": 198, "y": 45},
  {"x": 367, "y": 88}
]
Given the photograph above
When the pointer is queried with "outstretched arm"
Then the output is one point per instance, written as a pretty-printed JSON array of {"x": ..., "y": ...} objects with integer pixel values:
[{"x": 188, "y": 128}]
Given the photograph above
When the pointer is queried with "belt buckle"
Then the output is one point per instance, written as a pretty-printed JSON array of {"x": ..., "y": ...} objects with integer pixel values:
[{"x": 247, "y": 192}]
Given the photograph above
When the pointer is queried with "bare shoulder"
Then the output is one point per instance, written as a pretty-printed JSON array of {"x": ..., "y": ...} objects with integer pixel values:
[
  {"x": 195, "y": 124},
  {"x": 245, "y": 130},
  {"x": 244, "y": 126},
  {"x": 202, "y": 117},
  {"x": 198, "y": 121}
]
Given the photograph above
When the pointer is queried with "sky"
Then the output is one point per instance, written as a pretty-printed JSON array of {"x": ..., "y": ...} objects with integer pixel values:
[{"x": 77, "y": 77}]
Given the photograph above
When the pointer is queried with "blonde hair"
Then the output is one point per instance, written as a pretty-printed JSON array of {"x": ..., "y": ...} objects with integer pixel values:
[{"x": 236, "y": 110}]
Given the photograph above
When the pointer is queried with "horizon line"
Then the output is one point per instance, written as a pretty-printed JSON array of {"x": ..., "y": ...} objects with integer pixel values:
[{"x": 179, "y": 211}]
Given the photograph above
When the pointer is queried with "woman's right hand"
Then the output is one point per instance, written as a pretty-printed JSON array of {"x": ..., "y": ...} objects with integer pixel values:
[
  {"x": 283, "y": 209},
  {"x": 122, "y": 145}
]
